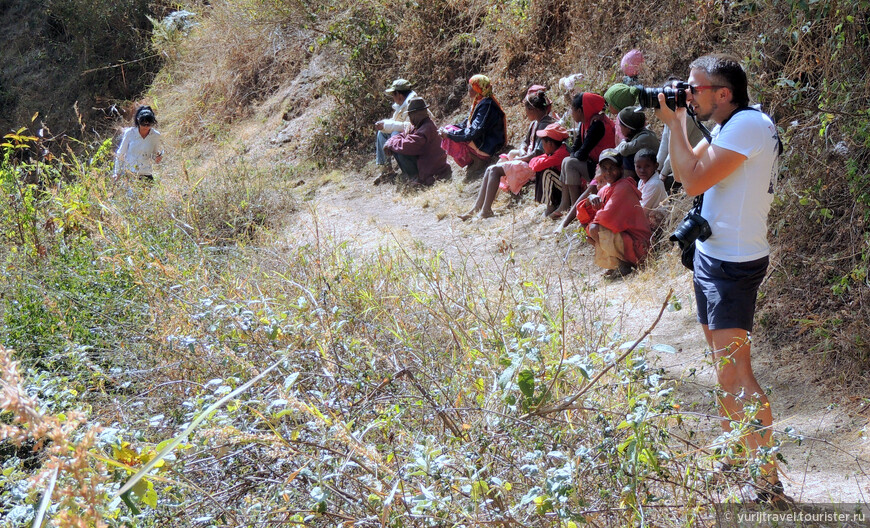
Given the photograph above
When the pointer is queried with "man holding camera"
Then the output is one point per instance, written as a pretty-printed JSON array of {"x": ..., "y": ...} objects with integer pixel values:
[{"x": 735, "y": 172}]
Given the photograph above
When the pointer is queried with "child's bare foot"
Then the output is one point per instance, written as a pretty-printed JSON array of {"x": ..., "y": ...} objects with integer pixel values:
[
  {"x": 486, "y": 213},
  {"x": 468, "y": 215},
  {"x": 555, "y": 215}
]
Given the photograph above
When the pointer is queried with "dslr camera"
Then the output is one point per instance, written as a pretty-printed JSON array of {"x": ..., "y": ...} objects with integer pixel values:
[
  {"x": 693, "y": 227},
  {"x": 675, "y": 95}
]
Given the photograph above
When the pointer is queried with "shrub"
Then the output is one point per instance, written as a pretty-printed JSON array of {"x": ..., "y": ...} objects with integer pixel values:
[{"x": 230, "y": 201}]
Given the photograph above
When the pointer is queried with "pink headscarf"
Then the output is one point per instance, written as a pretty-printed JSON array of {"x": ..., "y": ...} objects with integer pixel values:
[{"x": 631, "y": 62}]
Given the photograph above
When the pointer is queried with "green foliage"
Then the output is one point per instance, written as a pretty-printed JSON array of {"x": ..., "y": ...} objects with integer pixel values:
[
  {"x": 365, "y": 33},
  {"x": 820, "y": 98}
]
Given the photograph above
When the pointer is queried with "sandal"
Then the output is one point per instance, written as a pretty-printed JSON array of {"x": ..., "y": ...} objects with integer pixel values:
[{"x": 771, "y": 494}]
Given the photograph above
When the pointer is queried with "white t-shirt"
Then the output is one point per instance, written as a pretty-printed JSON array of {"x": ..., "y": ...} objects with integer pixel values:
[
  {"x": 737, "y": 206},
  {"x": 135, "y": 153},
  {"x": 652, "y": 191},
  {"x": 400, "y": 116}
]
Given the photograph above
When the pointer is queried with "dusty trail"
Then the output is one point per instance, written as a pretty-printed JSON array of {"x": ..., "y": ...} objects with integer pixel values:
[{"x": 831, "y": 465}]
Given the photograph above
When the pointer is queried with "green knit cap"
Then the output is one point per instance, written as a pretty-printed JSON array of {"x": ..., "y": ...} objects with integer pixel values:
[{"x": 621, "y": 96}]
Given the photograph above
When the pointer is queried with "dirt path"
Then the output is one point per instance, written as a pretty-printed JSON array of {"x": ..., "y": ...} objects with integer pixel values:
[{"x": 833, "y": 462}]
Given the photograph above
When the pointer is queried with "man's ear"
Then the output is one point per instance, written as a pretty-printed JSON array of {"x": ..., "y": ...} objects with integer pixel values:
[{"x": 726, "y": 95}]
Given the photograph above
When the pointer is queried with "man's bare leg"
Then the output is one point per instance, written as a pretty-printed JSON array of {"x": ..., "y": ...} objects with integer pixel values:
[{"x": 731, "y": 357}]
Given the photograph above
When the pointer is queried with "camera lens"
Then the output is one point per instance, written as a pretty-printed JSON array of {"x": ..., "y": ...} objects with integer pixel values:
[
  {"x": 648, "y": 97},
  {"x": 674, "y": 97}
]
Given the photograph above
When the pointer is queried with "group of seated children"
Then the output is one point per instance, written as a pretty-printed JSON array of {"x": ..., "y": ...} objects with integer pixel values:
[{"x": 607, "y": 177}]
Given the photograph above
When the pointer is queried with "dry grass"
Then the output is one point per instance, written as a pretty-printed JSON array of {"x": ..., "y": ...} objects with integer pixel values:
[
  {"x": 231, "y": 61},
  {"x": 62, "y": 449}
]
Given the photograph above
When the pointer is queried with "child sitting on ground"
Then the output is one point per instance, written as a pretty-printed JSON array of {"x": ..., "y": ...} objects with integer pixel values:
[
  {"x": 515, "y": 164},
  {"x": 619, "y": 230},
  {"x": 632, "y": 123},
  {"x": 651, "y": 186},
  {"x": 552, "y": 142}
]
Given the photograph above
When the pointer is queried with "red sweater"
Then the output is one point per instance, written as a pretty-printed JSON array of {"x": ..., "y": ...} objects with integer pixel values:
[
  {"x": 549, "y": 161},
  {"x": 621, "y": 212}
]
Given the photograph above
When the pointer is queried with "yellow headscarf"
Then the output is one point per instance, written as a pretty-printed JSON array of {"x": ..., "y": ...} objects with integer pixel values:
[{"x": 483, "y": 88}]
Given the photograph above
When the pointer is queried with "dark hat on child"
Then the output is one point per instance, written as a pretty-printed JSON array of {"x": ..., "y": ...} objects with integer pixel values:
[
  {"x": 416, "y": 104},
  {"x": 554, "y": 131},
  {"x": 399, "y": 85},
  {"x": 631, "y": 118}
]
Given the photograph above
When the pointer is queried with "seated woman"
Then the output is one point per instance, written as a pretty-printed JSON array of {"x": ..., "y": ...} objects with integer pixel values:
[
  {"x": 632, "y": 125},
  {"x": 619, "y": 230},
  {"x": 538, "y": 109},
  {"x": 418, "y": 151},
  {"x": 474, "y": 142},
  {"x": 515, "y": 164},
  {"x": 553, "y": 144},
  {"x": 595, "y": 133}
]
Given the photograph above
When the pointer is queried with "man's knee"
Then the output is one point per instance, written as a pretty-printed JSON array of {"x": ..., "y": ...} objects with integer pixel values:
[{"x": 730, "y": 377}]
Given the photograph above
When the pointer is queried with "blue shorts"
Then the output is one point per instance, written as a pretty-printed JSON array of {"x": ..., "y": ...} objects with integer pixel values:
[{"x": 726, "y": 291}]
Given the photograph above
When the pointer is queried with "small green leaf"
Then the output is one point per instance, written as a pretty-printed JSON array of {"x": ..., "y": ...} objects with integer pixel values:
[
  {"x": 667, "y": 349},
  {"x": 526, "y": 381},
  {"x": 150, "y": 498},
  {"x": 141, "y": 488}
]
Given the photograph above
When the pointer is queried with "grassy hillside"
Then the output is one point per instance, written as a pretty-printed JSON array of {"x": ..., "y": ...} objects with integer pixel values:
[{"x": 62, "y": 52}]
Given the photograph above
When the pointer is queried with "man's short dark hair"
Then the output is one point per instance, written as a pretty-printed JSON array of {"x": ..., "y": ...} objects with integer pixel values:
[{"x": 725, "y": 69}]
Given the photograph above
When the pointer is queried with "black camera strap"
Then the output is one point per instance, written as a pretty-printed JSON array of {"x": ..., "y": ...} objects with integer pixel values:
[
  {"x": 700, "y": 125},
  {"x": 697, "y": 203}
]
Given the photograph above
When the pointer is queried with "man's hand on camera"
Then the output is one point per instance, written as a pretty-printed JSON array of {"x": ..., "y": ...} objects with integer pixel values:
[{"x": 668, "y": 116}]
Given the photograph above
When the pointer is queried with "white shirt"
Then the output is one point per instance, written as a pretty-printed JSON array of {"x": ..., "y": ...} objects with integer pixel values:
[
  {"x": 400, "y": 116},
  {"x": 652, "y": 191},
  {"x": 737, "y": 206},
  {"x": 136, "y": 153}
]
